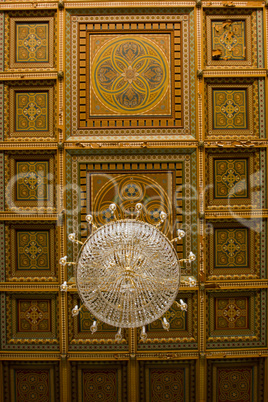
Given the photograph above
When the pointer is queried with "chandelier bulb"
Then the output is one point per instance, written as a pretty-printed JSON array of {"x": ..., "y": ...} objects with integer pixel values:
[
  {"x": 143, "y": 334},
  {"x": 75, "y": 311},
  {"x": 163, "y": 216},
  {"x": 94, "y": 327},
  {"x": 180, "y": 233},
  {"x": 89, "y": 219},
  {"x": 112, "y": 207},
  {"x": 192, "y": 257},
  {"x": 64, "y": 287},
  {"x": 118, "y": 336},
  {"x": 63, "y": 260},
  {"x": 138, "y": 207},
  {"x": 71, "y": 237},
  {"x": 165, "y": 324},
  {"x": 192, "y": 282},
  {"x": 183, "y": 305}
]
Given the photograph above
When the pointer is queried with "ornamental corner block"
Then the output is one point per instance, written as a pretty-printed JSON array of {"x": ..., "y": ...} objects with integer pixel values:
[{"x": 200, "y": 74}]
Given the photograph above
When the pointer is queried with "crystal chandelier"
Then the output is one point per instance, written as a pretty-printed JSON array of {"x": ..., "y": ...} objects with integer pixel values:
[{"x": 127, "y": 272}]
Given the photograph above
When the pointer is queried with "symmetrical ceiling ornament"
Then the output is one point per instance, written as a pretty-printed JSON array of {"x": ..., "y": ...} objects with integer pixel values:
[
  {"x": 128, "y": 273},
  {"x": 130, "y": 75}
]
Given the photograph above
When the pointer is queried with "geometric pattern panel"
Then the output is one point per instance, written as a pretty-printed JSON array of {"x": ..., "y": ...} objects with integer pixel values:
[
  {"x": 80, "y": 336},
  {"x": 236, "y": 380},
  {"x": 34, "y": 315},
  {"x": 236, "y": 319},
  {"x": 92, "y": 391},
  {"x": 31, "y": 43},
  {"x": 99, "y": 382},
  {"x": 30, "y": 321},
  {"x": 31, "y": 111},
  {"x": 232, "y": 313},
  {"x": 229, "y": 40},
  {"x": 162, "y": 381},
  {"x": 33, "y": 250},
  {"x": 231, "y": 248},
  {"x": 234, "y": 251},
  {"x": 231, "y": 178},
  {"x": 234, "y": 383},
  {"x": 166, "y": 384},
  {"x": 32, "y": 181},
  {"x": 130, "y": 75},
  {"x": 230, "y": 109},
  {"x": 31, "y": 381},
  {"x": 183, "y": 327}
]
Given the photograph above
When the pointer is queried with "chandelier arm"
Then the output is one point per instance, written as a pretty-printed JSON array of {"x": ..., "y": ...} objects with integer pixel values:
[
  {"x": 116, "y": 215},
  {"x": 158, "y": 224},
  {"x": 176, "y": 239},
  {"x": 78, "y": 241},
  {"x": 138, "y": 216},
  {"x": 93, "y": 227}
]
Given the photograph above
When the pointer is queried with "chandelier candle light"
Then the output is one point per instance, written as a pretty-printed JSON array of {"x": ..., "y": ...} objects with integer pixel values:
[{"x": 128, "y": 273}]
